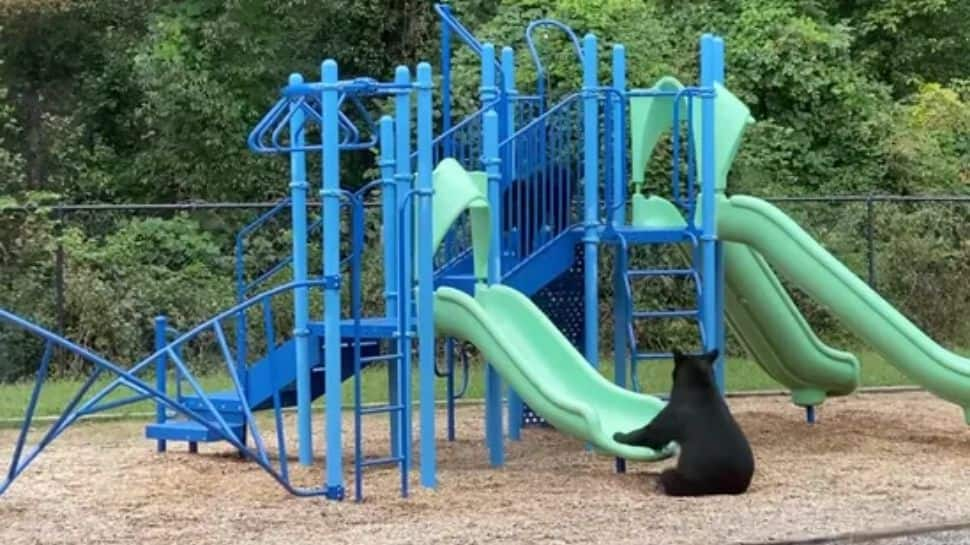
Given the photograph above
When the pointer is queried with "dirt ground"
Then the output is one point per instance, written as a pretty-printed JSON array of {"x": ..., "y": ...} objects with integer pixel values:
[{"x": 872, "y": 461}]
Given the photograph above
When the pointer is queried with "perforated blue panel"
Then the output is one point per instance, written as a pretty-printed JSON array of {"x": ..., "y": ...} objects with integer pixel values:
[{"x": 562, "y": 302}]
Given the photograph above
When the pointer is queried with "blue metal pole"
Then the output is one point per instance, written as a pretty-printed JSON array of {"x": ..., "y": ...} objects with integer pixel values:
[
  {"x": 301, "y": 298},
  {"x": 508, "y": 164},
  {"x": 399, "y": 376},
  {"x": 710, "y": 317},
  {"x": 330, "y": 196},
  {"x": 387, "y": 166},
  {"x": 388, "y": 213},
  {"x": 591, "y": 198},
  {"x": 426, "y": 339},
  {"x": 161, "y": 369},
  {"x": 619, "y": 218},
  {"x": 492, "y": 163},
  {"x": 493, "y": 383},
  {"x": 619, "y": 215},
  {"x": 712, "y": 71}
]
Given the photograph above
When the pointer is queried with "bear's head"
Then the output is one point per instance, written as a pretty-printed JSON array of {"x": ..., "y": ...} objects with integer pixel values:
[{"x": 694, "y": 370}]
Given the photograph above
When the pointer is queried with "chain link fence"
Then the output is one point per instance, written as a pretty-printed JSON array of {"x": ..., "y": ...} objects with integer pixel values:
[{"x": 99, "y": 273}]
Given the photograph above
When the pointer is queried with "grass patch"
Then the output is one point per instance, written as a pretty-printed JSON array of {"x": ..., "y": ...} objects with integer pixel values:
[{"x": 742, "y": 375}]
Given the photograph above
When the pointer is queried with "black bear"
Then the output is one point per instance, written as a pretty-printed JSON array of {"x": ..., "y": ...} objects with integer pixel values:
[{"x": 715, "y": 457}]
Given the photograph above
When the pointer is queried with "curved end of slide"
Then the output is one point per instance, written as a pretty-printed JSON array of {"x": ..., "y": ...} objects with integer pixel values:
[{"x": 764, "y": 317}]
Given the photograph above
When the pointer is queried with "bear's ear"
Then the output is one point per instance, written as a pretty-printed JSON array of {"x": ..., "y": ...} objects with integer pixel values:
[
  {"x": 711, "y": 356},
  {"x": 678, "y": 355}
]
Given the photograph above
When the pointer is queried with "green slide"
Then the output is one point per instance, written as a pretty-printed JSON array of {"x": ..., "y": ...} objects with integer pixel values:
[
  {"x": 763, "y": 316},
  {"x": 793, "y": 253},
  {"x": 522, "y": 344},
  {"x": 535, "y": 359},
  {"x": 758, "y": 309}
]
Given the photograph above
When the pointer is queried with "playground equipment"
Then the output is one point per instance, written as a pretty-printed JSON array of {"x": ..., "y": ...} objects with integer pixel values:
[{"x": 490, "y": 232}]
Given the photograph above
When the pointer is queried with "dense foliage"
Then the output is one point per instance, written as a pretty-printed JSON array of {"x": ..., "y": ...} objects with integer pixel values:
[{"x": 149, "y": 101}]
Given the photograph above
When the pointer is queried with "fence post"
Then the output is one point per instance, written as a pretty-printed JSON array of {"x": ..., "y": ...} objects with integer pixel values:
[
  {"x": 59, "y": 271},
  {"x": 870, "y": 243},
  {"x": 161, "y": 368}
]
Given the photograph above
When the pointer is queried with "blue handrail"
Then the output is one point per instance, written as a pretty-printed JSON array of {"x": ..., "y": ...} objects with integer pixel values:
[
  {"x": 541, "y": 75},
  {"x": 449, "y": 19}
]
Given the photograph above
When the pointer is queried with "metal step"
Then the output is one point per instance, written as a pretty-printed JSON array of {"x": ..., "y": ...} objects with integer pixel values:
[
  {"x": 190, "y": 430},
  {"x": 664, "y": 314}
]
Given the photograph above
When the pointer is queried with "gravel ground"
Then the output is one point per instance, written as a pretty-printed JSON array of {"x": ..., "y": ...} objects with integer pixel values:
[{"x": 872, "y": 461}]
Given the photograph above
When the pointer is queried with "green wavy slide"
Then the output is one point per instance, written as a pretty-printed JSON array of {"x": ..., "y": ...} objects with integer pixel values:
[
  {"x": 762, "y": 315},
  {"x": 522, "y": 344},
  {"x": 764, "y": 228}
]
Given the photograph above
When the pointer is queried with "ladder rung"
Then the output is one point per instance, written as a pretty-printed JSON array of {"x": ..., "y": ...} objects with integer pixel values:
[
  {"x": 380, "y": 357},
  {"x": 637, "y": 273},
  {"x": 653, "y": 356},
  {"x": 381, "y": 461},
  {"x": 381, "y": 409},
  {"x": 658, "y": 314}
]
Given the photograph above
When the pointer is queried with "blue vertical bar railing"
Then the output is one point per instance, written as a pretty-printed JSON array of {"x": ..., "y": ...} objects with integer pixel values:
[{"x": 538, "y": 203}]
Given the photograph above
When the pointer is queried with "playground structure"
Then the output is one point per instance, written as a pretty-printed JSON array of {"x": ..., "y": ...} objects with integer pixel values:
[{"x": 490, "y": 233}]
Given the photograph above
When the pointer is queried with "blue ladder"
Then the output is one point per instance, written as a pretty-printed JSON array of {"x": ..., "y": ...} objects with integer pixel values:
[
  {"x": 394, "y": 408},
  {"x": 635, "y": 315}
]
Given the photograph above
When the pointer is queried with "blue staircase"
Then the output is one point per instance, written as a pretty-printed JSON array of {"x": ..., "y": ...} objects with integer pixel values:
[{"x": 280, "y": 361}]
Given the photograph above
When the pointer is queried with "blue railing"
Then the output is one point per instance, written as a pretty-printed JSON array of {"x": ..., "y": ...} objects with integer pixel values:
[{"x": 128, "y": 377}]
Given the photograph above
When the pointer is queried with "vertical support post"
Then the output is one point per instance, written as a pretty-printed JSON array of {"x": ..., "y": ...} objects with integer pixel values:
[
  {"x": 712, "y": 294},
  {"x": 59, "y": 287},
  {"x": 870, "y": 243},
  {"x": 493, "y": 383},
  {"x": 388, "y": 213},
  {"x": 591, "y": 198},
  {"x": 619, "y": 133},
  {"x": 426, "y": 338},
  {"x": 301, "y": 297},
  {"x": 509, "y": 166},
  {"x": 446, "y": 87},
  {"x": 330, "y": 197},
  {"x": 387, "y": 165},
  {"x": 161, "y": 370},
  {"x": 491, "y": 162},
  {"x": 399, "y": 376},
  {"x": 619, "y": 218}
]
